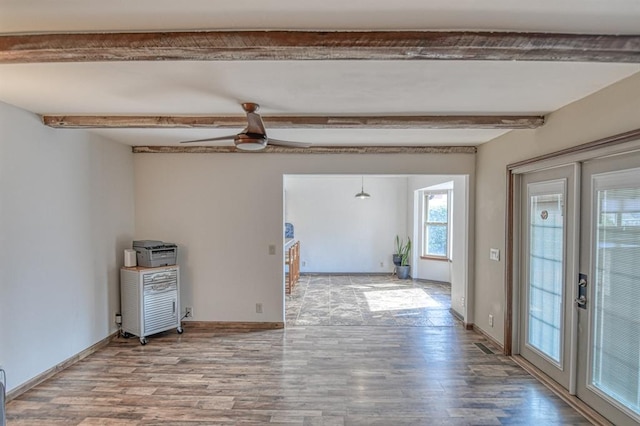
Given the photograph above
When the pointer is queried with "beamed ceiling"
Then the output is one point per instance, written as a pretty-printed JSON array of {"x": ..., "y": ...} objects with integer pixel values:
[{"x": 348, "y": 77}]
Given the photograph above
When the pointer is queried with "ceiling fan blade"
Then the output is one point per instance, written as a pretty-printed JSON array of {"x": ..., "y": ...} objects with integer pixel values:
[
  {"x": 278, "y": 142},
  {"x": 219, "y": 138},
  {"x": 254, "y": 137}
]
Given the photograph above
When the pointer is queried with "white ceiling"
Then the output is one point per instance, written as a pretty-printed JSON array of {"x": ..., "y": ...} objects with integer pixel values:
[
  {"x": 567, "y": 16},
  {"x": 311, "y": 87}
]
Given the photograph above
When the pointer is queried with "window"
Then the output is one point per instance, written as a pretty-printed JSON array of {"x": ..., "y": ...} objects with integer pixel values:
[{"x": 435, "y": 237}]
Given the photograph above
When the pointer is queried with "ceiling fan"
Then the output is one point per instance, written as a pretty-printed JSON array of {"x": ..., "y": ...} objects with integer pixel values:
[{"x": 254, "y": 136}]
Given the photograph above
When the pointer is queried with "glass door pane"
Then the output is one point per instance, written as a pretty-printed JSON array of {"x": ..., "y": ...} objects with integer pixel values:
[
  {"x": 546, "y": 271},
  {"x": 615, "y": 335}
]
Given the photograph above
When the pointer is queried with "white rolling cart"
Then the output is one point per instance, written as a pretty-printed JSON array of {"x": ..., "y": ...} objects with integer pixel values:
[{"x": 150, "y": 300}]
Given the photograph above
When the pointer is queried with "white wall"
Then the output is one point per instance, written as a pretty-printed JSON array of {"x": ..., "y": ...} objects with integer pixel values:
[
  {"x": 340, "y": 233},
  {"x": 611, "y": 111},
  {"x": 462, "y": 248},
  {"x": 224, "y": 210},
  {"x": 66, "y": 215}
]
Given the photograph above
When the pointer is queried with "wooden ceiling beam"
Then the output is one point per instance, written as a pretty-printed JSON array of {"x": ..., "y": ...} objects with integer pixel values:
[
  {"x": 299, "y": 122},
  {"x": 270, "y": 149},
  {"x": 318, "y": 45}
]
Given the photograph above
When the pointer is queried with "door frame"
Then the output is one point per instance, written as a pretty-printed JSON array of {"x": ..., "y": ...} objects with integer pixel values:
[{"x": 616, "y": 144}]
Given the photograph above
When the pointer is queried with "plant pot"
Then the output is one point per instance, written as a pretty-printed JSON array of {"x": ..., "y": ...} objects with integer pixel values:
[
  {"x": 397, "y": 259},
  {"x": 403, "y": 271}
]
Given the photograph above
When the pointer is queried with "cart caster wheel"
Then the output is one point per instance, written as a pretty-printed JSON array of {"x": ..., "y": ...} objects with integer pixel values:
[
  {"x": 180, "y": 330},
  {"x": 143, "y": 341}
]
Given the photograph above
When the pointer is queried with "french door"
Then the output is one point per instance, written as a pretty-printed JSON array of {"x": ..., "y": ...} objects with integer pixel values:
[
  {"x": 579, "y": 292},
  {"x": 609, "y": 319}
]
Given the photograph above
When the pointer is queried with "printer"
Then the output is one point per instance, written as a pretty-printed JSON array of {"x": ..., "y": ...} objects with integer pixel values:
[{"x": 152, "y": 253}]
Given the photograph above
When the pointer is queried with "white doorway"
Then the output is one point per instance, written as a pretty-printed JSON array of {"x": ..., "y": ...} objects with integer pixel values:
[{"x": 342, "y": 234}]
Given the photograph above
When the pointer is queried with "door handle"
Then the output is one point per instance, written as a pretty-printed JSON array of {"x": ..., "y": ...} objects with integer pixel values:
[{"x": 581, "y": 300}]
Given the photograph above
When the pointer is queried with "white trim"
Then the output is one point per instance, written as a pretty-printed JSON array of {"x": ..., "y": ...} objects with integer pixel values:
[
  {"x": 516, "y": 270},
  {"x": 567, "y": 159},
  {"x": 573, "y": 264},
  {"x": 613, "y": 180}
]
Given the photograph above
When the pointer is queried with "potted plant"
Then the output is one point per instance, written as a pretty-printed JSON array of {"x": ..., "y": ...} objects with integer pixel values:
[
  {"x": 397, "y": 255},
  {"x": 404, "y": 268}
]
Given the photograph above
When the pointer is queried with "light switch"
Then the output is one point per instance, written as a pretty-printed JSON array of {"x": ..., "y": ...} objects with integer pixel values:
[
  {"x": 494, "y": 254},
  {"x": 272, "y": 249}
]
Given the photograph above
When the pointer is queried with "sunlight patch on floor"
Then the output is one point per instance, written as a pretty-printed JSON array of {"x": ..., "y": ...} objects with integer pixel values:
[
  {"x": 387, "y": 285},
  {"x": 394, "y": 300},
  {"x": 381, "y": 285}
]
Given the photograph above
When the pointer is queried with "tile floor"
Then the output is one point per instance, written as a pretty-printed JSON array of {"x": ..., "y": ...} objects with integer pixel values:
[{"x": 376, "y": 300}]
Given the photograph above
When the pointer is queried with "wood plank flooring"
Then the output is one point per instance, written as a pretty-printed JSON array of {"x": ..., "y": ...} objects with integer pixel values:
[{"x": 300, "y": 375}]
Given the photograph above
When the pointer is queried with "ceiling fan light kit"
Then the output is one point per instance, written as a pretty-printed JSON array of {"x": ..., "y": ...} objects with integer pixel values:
[
  {"x": 246, "y": 142},
  {"x": 254, "y": 136}
]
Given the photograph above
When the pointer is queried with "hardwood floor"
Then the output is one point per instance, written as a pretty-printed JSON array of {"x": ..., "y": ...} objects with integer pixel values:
[{"x": 303, "y": 374}]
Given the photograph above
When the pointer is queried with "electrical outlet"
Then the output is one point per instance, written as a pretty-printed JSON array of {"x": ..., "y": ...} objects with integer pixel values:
[
  {"x": 304, "y": 263},
  {"x": 382, "y": 264},
  {"x": 258, "y": 308},
  {"x": 490, "y": 320},
  {"x": 462, "y": 301},
  {"x": 188, "y": 312},
  {"x": 118, "y": 319}
]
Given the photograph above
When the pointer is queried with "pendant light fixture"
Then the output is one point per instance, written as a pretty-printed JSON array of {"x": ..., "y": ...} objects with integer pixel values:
[{"x": 362, "y": 195}]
